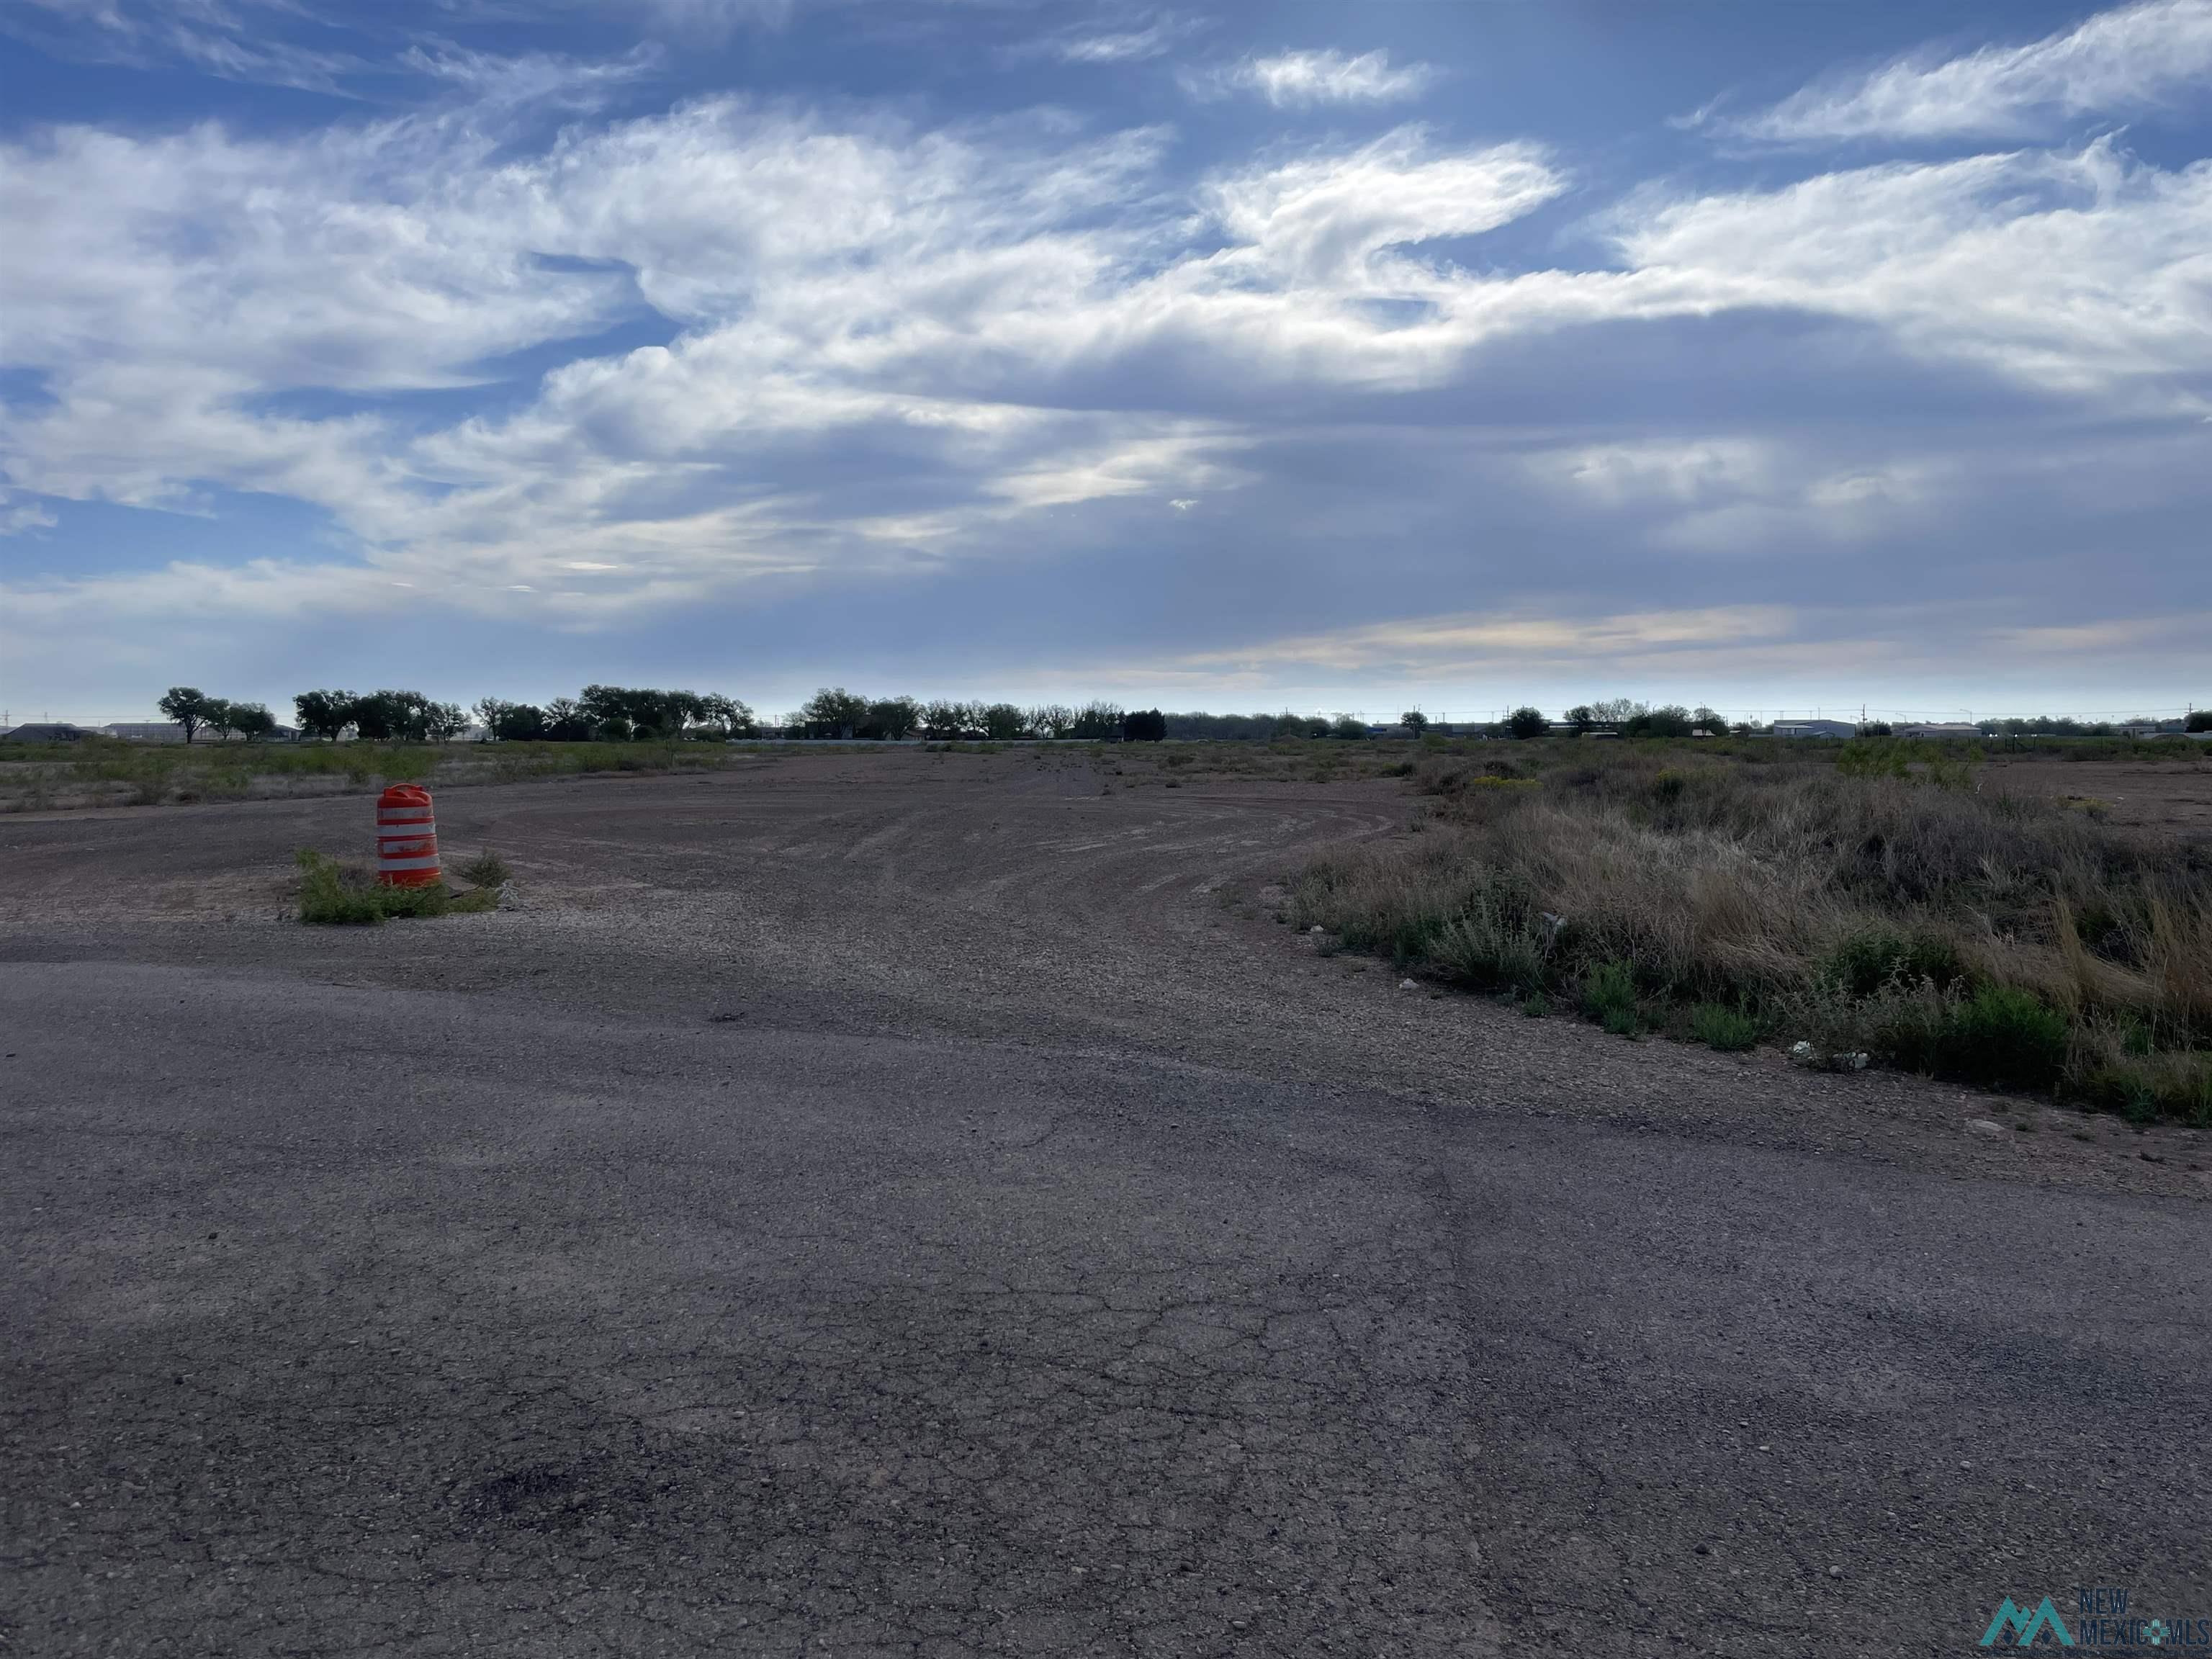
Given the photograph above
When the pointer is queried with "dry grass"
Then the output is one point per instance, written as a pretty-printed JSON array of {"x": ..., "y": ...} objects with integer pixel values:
[
  {"x": 1880, "y": 905},
  {"x": 100, "y": 772}
]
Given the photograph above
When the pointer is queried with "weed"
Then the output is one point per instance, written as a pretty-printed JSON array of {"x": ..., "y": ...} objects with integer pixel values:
[
  {"x": 1609, "y": 998},
  {"x": 331, "y": 893},
  {"x": 2004, "y": 1037},
  {"x": 487, "y": 869},
  {"x": 1866, "y": 960},
  {"x": 1729, "y": 1030}
]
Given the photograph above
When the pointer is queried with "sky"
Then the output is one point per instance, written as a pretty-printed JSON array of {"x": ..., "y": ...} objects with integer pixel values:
[{"x": 1342, "y": 357}]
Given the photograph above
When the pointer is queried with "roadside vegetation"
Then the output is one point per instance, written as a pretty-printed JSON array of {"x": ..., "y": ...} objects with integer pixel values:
[
  {"x": 1866, "y": 900},
  {"x": 338, "y": 894}
]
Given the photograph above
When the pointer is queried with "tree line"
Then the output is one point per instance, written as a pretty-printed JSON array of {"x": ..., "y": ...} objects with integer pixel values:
[{"x": 620, "y": 713}]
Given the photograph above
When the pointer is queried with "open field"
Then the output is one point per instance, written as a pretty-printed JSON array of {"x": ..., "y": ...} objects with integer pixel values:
[{"x": 909, "y": 1202}]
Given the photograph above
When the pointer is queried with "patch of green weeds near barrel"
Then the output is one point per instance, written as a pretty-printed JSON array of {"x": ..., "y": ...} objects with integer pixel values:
[
  {"x": 333, "y": 895},
  {"x": 487, "y": 869}
]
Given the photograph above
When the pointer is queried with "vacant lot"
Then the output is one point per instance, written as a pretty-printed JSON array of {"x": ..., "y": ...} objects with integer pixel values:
[
  {"x": 926, "y": 1203},
  {"x": 2172, "y": 796}
]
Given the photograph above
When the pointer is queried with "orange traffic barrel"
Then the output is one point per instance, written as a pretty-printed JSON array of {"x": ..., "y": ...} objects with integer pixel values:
[{"x": 406, "y": 837}]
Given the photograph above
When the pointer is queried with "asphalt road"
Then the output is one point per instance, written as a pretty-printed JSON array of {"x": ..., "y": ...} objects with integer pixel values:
[{"x": 935, "y": 1210}]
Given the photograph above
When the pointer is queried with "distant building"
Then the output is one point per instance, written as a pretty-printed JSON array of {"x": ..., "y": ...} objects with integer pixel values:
[
  {"x": 46, "y": 732},
  {"x": 1815, "y": 729},
  {"x": 1941, "y": 729},
  {"x": 170, "y": 731}
]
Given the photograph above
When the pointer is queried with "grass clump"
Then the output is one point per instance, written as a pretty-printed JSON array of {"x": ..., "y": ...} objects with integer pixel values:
[
  {"x": 1609, "y": 998},
  {"x": 331, "y": 895},
  {"x": 2001, "y": 1036},
  {"x": 1729, "y": 1030},
  {"x": 487, "y": 869},
  {"x": 1865, "y": 960}
]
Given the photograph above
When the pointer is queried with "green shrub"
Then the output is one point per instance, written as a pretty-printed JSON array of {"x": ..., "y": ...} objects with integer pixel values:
[
  {"x": 2143, "y": 1089},
  {"x": 1865, "y": 961},
  {"x": 1728, "y": 1029},
  {"x": 331, "y": 895},
  {"x": 1489, "y": 947},
  {"x": 1609, "y": 997},
  {"x": 2002, "y": 1036}
]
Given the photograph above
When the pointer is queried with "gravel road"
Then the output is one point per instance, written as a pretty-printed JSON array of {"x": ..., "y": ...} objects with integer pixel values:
[{"x": 925, "y": 1204}]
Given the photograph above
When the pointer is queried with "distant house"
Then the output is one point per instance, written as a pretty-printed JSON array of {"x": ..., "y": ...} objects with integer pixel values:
[
  {"x": 1941, "y": 729},
  {"x": 1815, "y": 729},
  {"x": 46, "y": 732}
]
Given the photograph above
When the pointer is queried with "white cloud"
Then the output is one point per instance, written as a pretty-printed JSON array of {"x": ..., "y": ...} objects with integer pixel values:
[
  {"x": 892, "y": 349},
  {"x": 232, "y": 42},
  {"x": 1455, "y": 644},
  {"x": 2077, "y": 272},
  {"x": 1138, "y": 41},
  {"x": 2117, "y": 61},
  {"x": 1297, "y": 80}
]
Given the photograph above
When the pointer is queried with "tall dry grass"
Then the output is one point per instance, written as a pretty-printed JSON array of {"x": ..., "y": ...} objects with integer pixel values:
[{"x": 1876, "y": 908}]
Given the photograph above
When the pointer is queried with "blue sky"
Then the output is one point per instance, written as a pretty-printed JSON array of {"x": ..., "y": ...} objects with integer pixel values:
[{"x": 1328, "y": 356}]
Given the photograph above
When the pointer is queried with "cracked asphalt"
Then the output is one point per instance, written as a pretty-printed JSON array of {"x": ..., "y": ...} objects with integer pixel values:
[{"x": 915, "y": 1204}]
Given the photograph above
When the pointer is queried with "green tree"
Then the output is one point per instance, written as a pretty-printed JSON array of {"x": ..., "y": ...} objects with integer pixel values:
[
  {"x": 510, "y": 722},
  {"x": 1526, "y": 722},
  {"x": 832, "y": 712},
  {"x": 892, "y": 719},
  {"x": 1097, "y": 721},
  {"x": 565, "y": 721},
  {"x": 734, "y": 717},
  {"x": 323, "y": 714},
  {"x": 252, "y": 721},
  {"x": 188, "y": 706},
  {"x": 391, "y": 717},
  {"x": 1668, "y": 720}
]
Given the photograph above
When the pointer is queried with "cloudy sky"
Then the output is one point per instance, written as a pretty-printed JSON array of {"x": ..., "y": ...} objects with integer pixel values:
[{"x": 1240, "y": 355}]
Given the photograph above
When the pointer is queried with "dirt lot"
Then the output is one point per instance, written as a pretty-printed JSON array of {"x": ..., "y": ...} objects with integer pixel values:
[
  {"x": 925, "y": 1203},
  {"x": 2174, "y": 797}
]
